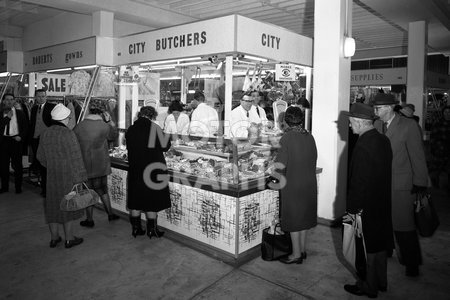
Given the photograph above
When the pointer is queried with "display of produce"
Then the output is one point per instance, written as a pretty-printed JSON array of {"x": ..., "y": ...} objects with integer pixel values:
[{"x": 214, "y": 161}]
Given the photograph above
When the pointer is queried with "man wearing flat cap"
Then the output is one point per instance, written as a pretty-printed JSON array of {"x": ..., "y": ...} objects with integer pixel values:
[
  {"x": 409, "y": 177},
  {"x": 369, "y": 193}
]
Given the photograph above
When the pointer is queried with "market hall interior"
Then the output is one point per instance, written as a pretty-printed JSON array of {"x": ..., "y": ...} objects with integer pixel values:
[{"x": 111, "y": 264}]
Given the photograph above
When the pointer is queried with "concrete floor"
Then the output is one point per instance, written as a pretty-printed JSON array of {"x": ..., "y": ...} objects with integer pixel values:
[{"x": 111, "y": 264}]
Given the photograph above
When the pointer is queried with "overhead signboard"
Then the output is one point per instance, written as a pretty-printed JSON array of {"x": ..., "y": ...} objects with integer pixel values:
[
  {"x": 273, "y": 42},
  {"x": 230, "y": 34},
  {"x": 378, "y": 77},
  {"x": 188, "y": 40},
  {"x": 67, "y": 55}
]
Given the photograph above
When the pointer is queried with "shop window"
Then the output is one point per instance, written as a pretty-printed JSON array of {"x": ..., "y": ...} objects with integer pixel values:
[{"x": 381, "y": 63}]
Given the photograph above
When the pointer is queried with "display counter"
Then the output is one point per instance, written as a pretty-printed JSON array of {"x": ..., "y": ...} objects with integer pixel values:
[{"x": 226, "y": 213}]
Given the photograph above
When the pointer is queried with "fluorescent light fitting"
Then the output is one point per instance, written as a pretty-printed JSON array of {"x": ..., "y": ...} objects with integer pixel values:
[
  {"x": 202, "y": 62},
  {"x": 159, "y": 62},
  {"x": 189, "y": 59},
  {"x": 59, "y": 70},
  {"x": 255, "y": 58},
  {"x": 6, "y": 74},
  {"x": 85, "y": 67},
  {"x": 162, "y": 67}
]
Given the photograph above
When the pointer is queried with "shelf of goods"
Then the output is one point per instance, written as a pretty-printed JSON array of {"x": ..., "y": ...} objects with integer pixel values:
[{"x": 217, "y": 189}]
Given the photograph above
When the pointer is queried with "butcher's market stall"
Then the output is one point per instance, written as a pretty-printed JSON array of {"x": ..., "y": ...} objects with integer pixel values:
[{"x": 217, "y": 183}]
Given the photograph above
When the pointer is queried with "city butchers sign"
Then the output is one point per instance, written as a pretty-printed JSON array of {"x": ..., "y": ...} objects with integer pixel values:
[
  {"x": 230, "y": 34},
  {"x": 378, "y": 77},
  {"x": 72, "y": 54}
]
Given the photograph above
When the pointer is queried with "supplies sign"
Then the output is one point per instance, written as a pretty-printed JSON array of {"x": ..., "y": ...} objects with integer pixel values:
[{"x": 284, "y": 72}]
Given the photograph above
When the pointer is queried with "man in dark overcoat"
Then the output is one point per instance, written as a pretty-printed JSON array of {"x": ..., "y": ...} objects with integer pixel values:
[
  {"x": 369, "y": 193},
  {"x": 40, "y": 119},
  {"x": 13, "y": 133},
  {"x": 409, "y": 177}
]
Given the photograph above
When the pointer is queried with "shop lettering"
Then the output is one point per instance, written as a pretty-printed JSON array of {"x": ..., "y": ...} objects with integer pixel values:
[
  {"x": 54, "y": 84},
  {"x": 270, "y": 41},
  {"x": 42, "y": 59},
  {"x": 73, "y": 55},
  {"x": 367, "y": 77},
  {"x": 136, "y": 48},
  {"x": 180, "y": 41}
]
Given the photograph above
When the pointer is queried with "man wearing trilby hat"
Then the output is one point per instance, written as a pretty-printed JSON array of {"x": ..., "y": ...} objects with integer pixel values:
[
  {"x": 369, "y": 192},
  {"x": 409, "y": 177}
]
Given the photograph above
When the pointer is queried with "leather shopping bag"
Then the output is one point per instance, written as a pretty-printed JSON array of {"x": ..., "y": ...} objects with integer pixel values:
[
  {"x": 426, "y": 218},
  {"x": 353, "y": 246},
  {"x": 79, "y": 197},
  {"x": 275, "y": 243}
]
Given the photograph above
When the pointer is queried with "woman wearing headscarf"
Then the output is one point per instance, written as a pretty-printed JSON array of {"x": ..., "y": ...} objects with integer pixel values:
[
  {"x": 60, "y": 153},
  {"x": 93, "y": 134},
  {"x": 148, "y": 178},
  {"x": 295, "y": 167}
]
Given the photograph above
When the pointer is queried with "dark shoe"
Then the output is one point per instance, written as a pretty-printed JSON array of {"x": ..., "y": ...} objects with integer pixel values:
[
  {"x": 44, "y": 194},
  {"x": 355, "y": 290},
  {"x": 412, "y": 271},
  {"x": 303, "y": 255},
  {"x": 18, "y": 191},
  {"x": 3, "y": 191},
  {"x": 113, "y": 217},
  {"x": 54, "y": 243},
  {"x": 87, "y": 223},
  {"x": 382, "y": 289},
  {"x": 152, "y": 229},
  {"x": 287, "y": 260},
  {"x": 136, "y": 226},
  {"x": 72, "y": 243}
]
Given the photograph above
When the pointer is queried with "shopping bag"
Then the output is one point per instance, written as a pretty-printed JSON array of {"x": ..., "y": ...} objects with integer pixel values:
[
  {"x": 275, "y": 243},
  {"x": 427, "y": 220},
  {"x": 79, "y": 197},
  {"x": 353, "y": 245}
]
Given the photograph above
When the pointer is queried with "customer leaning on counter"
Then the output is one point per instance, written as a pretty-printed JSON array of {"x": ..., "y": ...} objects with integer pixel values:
[
  {"x": 148, "y": 179},
  {"x": 93, "y": 134}
]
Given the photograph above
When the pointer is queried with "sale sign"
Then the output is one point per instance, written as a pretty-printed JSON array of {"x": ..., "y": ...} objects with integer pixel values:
[{"x": 53, "y": 84}]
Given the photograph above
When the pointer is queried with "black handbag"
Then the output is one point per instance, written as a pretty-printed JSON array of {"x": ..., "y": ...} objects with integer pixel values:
[
  {"x": 275, "y": 245},
  {"x": 426, "y": 218}
]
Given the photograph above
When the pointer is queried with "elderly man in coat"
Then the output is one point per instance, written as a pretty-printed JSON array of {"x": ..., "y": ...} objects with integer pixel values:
[
  {"x": 369, "y": 193},
  {"x": 409, "y": 177}
]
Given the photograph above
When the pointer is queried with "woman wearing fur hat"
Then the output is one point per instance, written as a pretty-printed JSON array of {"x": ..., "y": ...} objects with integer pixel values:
[
  {"x": 60, "y": 153},
  {"x": 93, "y": 134}
]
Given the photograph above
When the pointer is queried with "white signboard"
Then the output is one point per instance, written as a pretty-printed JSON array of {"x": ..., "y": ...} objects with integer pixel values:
[
  {"x": 273, "y": 42},
  {"x": 54, "y": 84},
  {"x": 284, "y": 72},
  {"x": 189, "y": 40},
  {"x": 72, "y": 54},
  {"x": 378, "y": 77},
  {"x": 230, "y": 34}
]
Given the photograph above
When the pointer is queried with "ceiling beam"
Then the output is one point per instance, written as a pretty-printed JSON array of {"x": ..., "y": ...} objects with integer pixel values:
[{"x": 11, "y": 31}]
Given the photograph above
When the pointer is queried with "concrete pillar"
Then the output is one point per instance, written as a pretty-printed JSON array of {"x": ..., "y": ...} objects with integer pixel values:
[
  {"x": 331, "y": 96},
  {"x": 416, "y": 92},
  {"x": 103, "y": 23}
]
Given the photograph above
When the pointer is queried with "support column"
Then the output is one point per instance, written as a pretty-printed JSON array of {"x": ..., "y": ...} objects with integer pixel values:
[
  {"x": 416, "y": 92},
  {"x": 103, "y": 23},
  {"x": 331, "y": 96}
]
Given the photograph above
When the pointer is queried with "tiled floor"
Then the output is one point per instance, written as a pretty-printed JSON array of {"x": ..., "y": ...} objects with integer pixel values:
[{"x": 111, "y": 264}]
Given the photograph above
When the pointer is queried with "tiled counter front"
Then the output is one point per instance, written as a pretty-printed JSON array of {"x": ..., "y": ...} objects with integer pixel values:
[{"x": 231, "y": 224}]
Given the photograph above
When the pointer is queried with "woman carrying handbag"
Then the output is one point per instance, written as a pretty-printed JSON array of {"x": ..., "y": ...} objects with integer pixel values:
[{"x": 60, "y": 153}]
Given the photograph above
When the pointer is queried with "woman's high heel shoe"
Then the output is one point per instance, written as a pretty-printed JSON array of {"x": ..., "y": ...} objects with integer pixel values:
[
  {"x": 136, "y": 226},
  {"x": 287, "y": 260},
  {"x": 303, "y": 255},
  {"x": 152, "y": 229}
]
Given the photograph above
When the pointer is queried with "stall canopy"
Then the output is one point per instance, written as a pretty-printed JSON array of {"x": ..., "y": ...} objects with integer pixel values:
[{"x": 227, "y": 35}]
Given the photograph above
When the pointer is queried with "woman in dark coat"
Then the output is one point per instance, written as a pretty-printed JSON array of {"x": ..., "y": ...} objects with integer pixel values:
[
  {"x": 148, "y": 179},
  {"x": 296, "y": 168},
  {"x": 60, "y": 153}
]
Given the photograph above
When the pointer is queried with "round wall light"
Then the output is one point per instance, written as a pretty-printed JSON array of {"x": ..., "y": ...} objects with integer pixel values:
[{"x": 349, "y": 46}]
